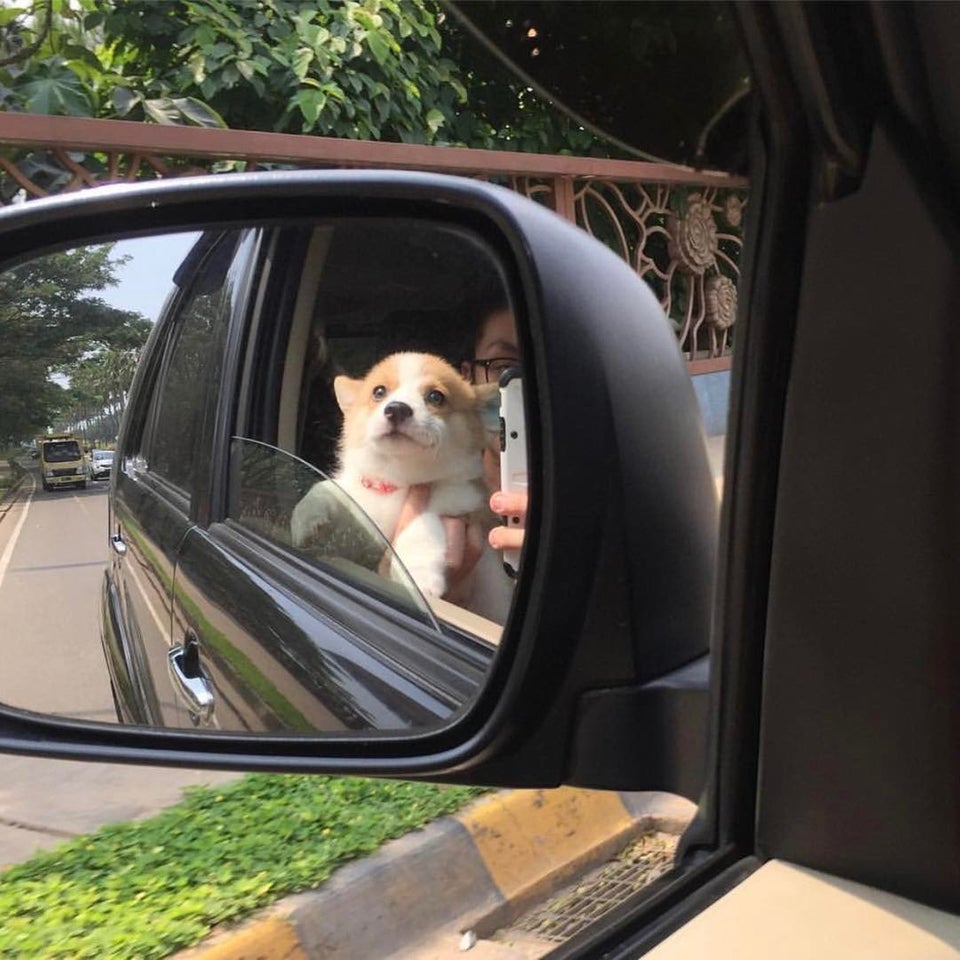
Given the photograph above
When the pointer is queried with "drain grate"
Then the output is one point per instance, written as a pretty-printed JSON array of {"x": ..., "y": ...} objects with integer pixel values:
[{"x": 580, "y": 904}]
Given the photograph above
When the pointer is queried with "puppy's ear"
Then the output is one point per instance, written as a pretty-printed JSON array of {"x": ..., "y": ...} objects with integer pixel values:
[
  {"x": 488, "y": 405},
  {"x": 346, "y": 390}
]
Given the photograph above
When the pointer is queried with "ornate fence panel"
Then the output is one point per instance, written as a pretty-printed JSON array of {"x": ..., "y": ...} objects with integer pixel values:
[{"x": 679, "y": 229}]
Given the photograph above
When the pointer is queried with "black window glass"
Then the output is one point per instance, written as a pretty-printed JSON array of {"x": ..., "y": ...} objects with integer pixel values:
[
  {"x": 267, "y": 486},
  {"x": 196, "y": 357},
  {"x": 61, "y": 451}
]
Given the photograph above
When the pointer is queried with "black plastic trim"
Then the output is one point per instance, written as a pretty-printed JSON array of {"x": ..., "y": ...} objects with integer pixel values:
[{"x": 606, "y": 329}]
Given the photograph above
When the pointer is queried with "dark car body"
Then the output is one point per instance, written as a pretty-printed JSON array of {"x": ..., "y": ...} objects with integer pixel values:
[{"x": 276, "y": 645}]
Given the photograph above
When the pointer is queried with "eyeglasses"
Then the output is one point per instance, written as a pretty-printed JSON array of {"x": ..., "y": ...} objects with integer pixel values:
[{"x": 492, "y": 368}]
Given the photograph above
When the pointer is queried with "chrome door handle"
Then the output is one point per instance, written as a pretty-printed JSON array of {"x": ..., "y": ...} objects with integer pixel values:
[
  {"x": 119, "y": 547},
  {"x": 186, "y": 674}
]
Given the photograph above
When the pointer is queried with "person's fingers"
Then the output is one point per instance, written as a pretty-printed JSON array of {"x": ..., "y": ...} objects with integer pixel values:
[
  {"x": 456, "y": 533},
  {"x": 509, "y": 504},
  {"x": 458, "y": 579},
  {"x": 464, "y": 546},
  {"x": 473, "y": 547},
  {"x": 506, "y": 538}
]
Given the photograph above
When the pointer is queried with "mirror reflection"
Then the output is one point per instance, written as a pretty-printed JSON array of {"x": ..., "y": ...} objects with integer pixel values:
[{"x": 257, "y": 469}]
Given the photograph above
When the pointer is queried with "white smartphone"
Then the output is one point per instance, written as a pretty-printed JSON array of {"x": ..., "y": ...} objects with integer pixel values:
[{"x": 513, "y": 452}]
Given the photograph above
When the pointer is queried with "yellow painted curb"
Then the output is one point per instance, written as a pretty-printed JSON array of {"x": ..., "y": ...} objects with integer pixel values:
[
  {"x": 268, "y": 939},
  {"x": 526, "y": 836},
  {"x": 527, "y": 840}
]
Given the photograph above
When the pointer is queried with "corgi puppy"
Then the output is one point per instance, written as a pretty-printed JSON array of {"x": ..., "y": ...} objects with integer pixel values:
[{"x": 414, "y": 420}]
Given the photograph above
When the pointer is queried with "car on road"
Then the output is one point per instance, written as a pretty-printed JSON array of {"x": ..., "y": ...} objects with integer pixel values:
[
  {"x": 100, "y": 464},
  {"x": 793, "y": 670},
  {"x": 61, "y": 461}
]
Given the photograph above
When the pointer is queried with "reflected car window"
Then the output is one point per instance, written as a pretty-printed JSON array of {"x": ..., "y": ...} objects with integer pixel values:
[
  {"x": 196, "y": 359},
  {"x": 267, "y": 486}
]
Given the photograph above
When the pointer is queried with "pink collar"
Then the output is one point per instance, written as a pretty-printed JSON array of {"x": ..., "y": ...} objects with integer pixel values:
[{"x": 379, "y": 486}]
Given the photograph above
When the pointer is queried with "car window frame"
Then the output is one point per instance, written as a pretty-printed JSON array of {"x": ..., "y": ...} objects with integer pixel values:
[
  {"x": 398, "y": 637},
  {"x": 172, "y": 327}
]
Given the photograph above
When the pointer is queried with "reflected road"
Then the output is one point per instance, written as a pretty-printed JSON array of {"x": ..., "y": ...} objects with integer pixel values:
[{"x": 53, "y": 551}]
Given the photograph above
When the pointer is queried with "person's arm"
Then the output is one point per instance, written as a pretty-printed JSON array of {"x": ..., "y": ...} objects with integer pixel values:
[{"x": 464, "y": 541}]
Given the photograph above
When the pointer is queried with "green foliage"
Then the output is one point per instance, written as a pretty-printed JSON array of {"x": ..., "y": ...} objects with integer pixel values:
[
  {"x": 52, "y": 321},
  {"x": 142, "y": 890},
  {"x": 395, "y": 70},
  {"x": 369, "y": 71},
  {"x": 52, "y": 87},
  {"x": 99, "y": 384},
  {"x": 10, "y": 470}
]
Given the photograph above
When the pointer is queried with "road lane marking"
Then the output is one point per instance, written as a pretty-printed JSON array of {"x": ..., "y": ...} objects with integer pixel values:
[
  {"x": 12, "y": 543},
  {"x": 83, "y": 506}
]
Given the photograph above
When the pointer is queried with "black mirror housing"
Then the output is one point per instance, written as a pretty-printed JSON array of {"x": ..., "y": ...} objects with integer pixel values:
[{"x": 613, "y": 617}]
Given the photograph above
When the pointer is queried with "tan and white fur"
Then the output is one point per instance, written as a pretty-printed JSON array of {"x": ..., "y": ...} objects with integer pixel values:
[{"x": 414, "y": 420}]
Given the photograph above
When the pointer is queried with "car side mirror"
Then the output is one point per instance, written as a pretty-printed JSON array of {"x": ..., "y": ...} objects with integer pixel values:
[{"x": 349, "y": 658}]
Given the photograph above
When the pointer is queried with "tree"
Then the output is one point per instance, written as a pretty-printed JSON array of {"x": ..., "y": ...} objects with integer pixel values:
[
  {"x": 376, "y": 69},
  {"x": 95, "y": 400},
  {"x": 51, "y": 322}
]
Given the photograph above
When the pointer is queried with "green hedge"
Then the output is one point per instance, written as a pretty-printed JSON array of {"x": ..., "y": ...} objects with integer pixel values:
[{"x": 146, "y": 889}]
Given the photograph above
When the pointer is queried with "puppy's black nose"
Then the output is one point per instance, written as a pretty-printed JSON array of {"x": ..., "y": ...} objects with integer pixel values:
[{"x": 396, "y": 412}]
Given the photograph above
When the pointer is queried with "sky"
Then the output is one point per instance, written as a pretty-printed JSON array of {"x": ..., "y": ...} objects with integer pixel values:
[{"x": 144, "y": 283}]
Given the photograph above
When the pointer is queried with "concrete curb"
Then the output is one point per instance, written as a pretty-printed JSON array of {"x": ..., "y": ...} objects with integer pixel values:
[{"x": 480, "y": 869}]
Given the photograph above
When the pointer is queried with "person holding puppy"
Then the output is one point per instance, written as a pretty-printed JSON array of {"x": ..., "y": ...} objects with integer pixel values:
[
  {"x": 492, "y": 349},
  {"x": 495, "y": 350}
]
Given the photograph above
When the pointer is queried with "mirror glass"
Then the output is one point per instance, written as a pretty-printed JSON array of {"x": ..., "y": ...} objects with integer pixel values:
[{"x": 255, "y": 471}]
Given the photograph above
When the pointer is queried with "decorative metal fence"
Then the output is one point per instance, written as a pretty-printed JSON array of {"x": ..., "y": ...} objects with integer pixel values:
[{"x": 679, "y": 229}]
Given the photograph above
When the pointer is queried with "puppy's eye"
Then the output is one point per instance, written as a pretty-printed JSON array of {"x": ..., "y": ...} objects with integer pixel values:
[
  {"x": 436, "y": 398},
  {"x": 379, "y": 393}
]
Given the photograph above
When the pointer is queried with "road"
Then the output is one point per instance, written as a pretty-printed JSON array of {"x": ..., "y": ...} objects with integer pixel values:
[
  {"x": 53, "y": 551},
  {"x": 56, "y": 548}
]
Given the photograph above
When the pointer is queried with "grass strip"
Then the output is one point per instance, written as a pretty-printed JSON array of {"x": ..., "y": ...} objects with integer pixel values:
[{"x": 147, "y": 888}]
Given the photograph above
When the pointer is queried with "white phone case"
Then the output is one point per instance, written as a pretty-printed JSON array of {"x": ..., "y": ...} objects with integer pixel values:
[{"x": 513, "y": 452}]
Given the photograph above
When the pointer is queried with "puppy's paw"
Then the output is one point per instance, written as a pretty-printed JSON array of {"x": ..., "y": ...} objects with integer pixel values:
[{"x": 430, "y": 581}]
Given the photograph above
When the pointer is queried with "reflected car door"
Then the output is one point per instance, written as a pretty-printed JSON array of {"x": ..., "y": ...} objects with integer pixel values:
[
  {"x": 296, "y": 642},
  {"x": 283, "y": 640},
  {"x": 161, "y": 464}
]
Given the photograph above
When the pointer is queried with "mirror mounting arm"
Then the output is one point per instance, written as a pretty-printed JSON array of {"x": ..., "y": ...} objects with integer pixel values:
[{"x": 662, "y": 743}]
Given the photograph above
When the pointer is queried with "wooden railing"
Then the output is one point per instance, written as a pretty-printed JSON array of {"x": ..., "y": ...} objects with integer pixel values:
[{"x": 679, "y": 229}]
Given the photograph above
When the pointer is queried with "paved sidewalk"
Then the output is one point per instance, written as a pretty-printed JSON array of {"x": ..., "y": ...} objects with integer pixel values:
[{"x": 45, "y": 802}]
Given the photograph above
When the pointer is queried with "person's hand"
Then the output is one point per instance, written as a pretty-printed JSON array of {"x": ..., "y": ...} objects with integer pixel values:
[
  {"x": 464, "y": 542},
  {"x": 508, "y": 505},
  {"x": 464, "y": 546}
]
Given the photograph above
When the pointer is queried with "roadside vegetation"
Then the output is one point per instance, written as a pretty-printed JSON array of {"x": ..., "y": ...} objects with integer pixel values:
[
  {"x": 388, "y": 70},
  {"x": 10, "y": 469},
  {"x": 146, "y": 889},
  {"x": 384, "y": 70},
  {"x": 54, "y": 321}
]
